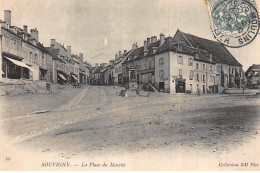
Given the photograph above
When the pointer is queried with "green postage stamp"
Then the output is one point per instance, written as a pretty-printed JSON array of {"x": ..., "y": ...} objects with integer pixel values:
[{"x": 235, "y": 23}]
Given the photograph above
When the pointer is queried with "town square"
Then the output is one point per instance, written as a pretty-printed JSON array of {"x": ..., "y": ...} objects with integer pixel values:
[{"x": 88, "y": 88}]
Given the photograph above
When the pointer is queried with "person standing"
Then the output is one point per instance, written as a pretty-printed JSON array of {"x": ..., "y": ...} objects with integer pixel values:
[{"x": 198, "y": 91}]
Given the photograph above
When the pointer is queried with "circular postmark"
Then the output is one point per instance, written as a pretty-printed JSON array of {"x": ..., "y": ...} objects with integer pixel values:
[{"x": 235, "y": 23}]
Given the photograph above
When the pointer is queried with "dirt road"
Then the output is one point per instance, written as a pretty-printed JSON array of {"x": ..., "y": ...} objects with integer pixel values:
[{"x": 96, "y": 121}]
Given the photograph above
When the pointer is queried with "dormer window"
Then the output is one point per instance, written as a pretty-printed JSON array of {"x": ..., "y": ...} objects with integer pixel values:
[
  {"x": 196, "y": 56},
  {"x": 179, "y": 48},
  {"x": 210, "y": 57}
]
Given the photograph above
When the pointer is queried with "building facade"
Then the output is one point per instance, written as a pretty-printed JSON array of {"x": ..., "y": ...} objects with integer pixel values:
[
  {"x": 23, "y": 56},
  {"x": 253, "y": 76}
]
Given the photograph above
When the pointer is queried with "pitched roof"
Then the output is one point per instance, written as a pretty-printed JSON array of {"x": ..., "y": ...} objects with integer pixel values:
[
  {"x": 53, "y": 52},
  {"x": 219, "y": 52},
  {"x": 135, "y": 54},
  {"x": 252, "y": 68},
  {"x": 170, "y": 44},
  {"x": 97, "y": 69}
]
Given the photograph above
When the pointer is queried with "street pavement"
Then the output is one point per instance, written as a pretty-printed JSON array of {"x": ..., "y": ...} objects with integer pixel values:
[{"x": 95, "y": 120}]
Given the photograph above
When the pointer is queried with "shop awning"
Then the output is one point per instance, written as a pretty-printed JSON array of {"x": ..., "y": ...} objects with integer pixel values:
[
  {"x": 62, "y": 77},
  {"x": 2, "y": 72},
  {"x": 74, "y": 77},
  {"x": 19, "y": 63}
]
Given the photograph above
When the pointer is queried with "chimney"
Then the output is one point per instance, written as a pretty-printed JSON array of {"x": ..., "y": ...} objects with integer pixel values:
[
  {"x": 25, "y": 29},
  {"x": 53, "y": 42},
  {"x": 116, "y": 56},
  {"x": 125, "y": 51},
  {"x": 7, "y": 16},
  {"x": 81, "y": 57},
  {"x": 69, "y": 51},
  {"x": 134, "y": 46},
  {"x": 148, "y": 41},
  {"x": 162, "y": 38},
  {"x": 35, "y": 34},
  {"x": 120, "y": 53},
  {"x": 153, "y": 39},
  {"x": 145, "y": 47}
]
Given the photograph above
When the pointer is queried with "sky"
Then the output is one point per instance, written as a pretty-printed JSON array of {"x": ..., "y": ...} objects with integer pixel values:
[{"x": 101, "y": 28}]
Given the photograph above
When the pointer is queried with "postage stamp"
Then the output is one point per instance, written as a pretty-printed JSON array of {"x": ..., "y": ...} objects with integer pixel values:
[{"x": 235, "y": 23}]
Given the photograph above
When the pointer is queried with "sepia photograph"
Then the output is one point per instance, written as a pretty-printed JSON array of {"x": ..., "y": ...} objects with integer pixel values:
[{"x": 129, "y": 85}]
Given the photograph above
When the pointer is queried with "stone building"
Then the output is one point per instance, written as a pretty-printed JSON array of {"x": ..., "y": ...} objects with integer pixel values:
[
  {"x": 253, "y": 76},
  {"x": 229, "y": 73},
  {"x": 142, "y": 59},
  {"x": 118, "y": 69},
  {"x": 88, "y": 71},
  {"x": 96, "y": 75},
  {"x": 58, "y": 69},
  {"x": 183, "y": 64},
  {"x": 181, "y": 69},
  {"x": 23, "y": 56}
]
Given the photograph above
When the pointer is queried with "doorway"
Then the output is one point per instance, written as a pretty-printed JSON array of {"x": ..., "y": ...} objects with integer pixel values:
[
  {"x": 180, "y": 87},
  {"x": 161, "y": 86}
]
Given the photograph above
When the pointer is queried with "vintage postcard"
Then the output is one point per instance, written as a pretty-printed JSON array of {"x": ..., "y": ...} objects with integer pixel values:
[{"x": 129, "y": 85}]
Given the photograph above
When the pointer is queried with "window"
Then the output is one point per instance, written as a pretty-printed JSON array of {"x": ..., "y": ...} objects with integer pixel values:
[
  {"x": 211, "y": 79},
  {"x": 161, "y": 61},
  {"x": 203, "y": 78},
  {"x": 191, "y": 87},
  {"x": 204, "y": 67},
  {"x": 211, "y": 68},
  {"x": 180, "y": 72},
  {"x": 214, "y": 79},
  {"x": 190, "y": 63},
  {"x": 191, "y": 75},
  {"x": 43, "y": 60},
  {"x": 197, "y": 66},
  {"x": 180, "y": 60},
  {"x": 35, "y": 59},
  {"x": 198, "y": 77},
  {"x": 161, "y": 74}
]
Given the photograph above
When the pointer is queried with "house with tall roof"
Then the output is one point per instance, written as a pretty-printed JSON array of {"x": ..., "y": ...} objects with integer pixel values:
[
  {"x": 229, "y": 73},
  {"x": 181, "y": 69},
  {"x": 253, "y": 76},
  {"x": 96, "y": 75},
  {"x": 183, "y": 63},
  {"x": 187, "y": 63}
]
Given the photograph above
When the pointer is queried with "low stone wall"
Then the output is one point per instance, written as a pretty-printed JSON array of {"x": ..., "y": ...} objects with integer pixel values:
[
  {"x": 240, "y": 91},
  {"x": 12, "y": 89}
]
